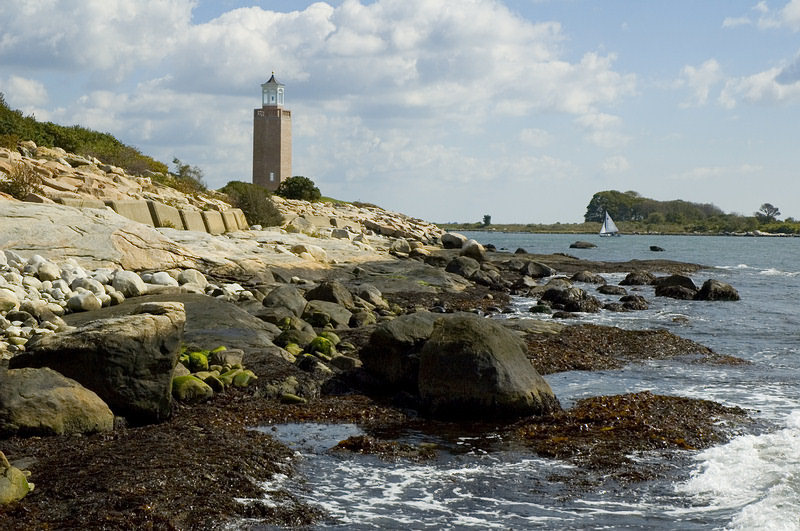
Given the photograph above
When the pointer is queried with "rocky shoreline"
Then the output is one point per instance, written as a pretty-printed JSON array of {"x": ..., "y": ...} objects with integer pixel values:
[{"x": 134, "y": 360}]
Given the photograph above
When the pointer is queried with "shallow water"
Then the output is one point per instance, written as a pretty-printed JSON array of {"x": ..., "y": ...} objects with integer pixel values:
[{"x": 752, "y": 482}]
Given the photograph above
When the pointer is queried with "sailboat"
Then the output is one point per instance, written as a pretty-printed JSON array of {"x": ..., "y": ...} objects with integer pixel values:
[{"x": 609, "y": 228}]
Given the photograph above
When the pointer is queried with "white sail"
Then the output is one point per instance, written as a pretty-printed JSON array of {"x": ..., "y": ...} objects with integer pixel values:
[{"x": 609, "y": 228}]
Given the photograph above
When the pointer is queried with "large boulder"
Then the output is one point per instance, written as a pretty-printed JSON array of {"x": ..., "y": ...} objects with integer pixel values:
[
  {"x": 128, "y": 361},
  {"x": 535, "y": 269},
  {"x": 714, "y": 290},
  {"x": 286, "y": 296},
  {"x": 463, "y": 266},
  {"x": 393, "y": 349},
  {"x": 638, "y": 278},
  {"x": 321, "y": 313},
  {"x": 331, "y": 291},
  {"x": 475, "y": 368},
  {"x": 453, "y": 240},
  {"x": 473, "y": 249},
  {"x": 44, "y": 402},
  {"x": 675, "y": 280},
  {"x": 571, "y": 300}
]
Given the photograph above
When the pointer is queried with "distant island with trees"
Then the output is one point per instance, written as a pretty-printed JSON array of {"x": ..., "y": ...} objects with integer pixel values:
[{"x": 636, "y": 214}]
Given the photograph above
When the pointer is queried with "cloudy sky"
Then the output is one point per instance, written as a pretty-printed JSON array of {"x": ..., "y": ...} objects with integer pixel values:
[{"x": 442, "y": 109}]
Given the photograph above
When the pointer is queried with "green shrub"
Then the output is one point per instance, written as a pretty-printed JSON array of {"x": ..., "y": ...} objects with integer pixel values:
[
  {"x": 255, "y": 201},
  {"x": 299, "y": 187},
  {"x": 20, "y": 181}
]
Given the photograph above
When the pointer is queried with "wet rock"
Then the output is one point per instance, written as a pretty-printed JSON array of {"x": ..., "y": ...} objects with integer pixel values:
[
  {"x": 612, "y": 290},
  {"x": 674, "y": 280},
  {"x": 582, "y": 245},
  {"x": 676, "y": 292},
  {"x": 587, "y": 277},
  {"x": 475, "y": 368},
  {"x": 656, "y": 249},
  {"x": 634, "y": 302},
  {"x": 714, "y": 290},
  {"x": 571, "y": 300},
  {"x": 393, "y": 349},
  {"x": 638, "y": 278}
]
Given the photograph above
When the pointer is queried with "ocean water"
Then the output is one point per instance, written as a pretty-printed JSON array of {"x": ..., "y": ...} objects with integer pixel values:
[{"x": 479, "y": 482}]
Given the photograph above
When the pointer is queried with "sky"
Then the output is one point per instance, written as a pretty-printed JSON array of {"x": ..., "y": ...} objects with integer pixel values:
[{"x": 446, "y": 110}]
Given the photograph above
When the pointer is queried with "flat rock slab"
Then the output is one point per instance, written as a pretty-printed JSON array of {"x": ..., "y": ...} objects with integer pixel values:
[{"x": 210, "y": 322}]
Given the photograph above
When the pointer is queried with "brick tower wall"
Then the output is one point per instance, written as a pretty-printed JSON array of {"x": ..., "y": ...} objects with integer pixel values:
[{"x": 272, "y": 146}]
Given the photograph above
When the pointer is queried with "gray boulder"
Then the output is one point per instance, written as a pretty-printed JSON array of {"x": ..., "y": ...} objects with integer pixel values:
[
  {"x": 131, "y": 358},
  {"x": 676, "y": 292},
  {"x": 453, "y": 240},
  {"x": 43, "y": 402},
  {"x": 473, "y": 249},
  {"x": 286, "y": 296},
  {"x": 612, "y": 290},
  {"x": 393, "y": 349},
  {"x": 571, "y": 300},
  {"x": 675, "y": 280},
  {"x": 475, "y": 368},
  {"x": 129, "y": 284},
  {"x": 321, "y": 313},
  {"x": 638, "y": 278},
  {"x": 463, "y": 266},
  {"x": 332, "y": 291},
  {"x": 536, "y": 269},
  {"x": 588, "y": 277},
  {"x": 714, "y": 290},
  {"x": 582, "y": 245}
]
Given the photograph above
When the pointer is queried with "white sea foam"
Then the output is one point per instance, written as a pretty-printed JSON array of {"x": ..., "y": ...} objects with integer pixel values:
[{"x": 758, "y": 477}]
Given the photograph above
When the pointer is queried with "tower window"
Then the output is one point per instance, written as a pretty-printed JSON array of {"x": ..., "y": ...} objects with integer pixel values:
[{"x": 272, "y": 176}]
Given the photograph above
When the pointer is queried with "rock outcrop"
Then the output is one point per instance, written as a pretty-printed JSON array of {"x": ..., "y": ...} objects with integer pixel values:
[{"x": 132, "y": 359}]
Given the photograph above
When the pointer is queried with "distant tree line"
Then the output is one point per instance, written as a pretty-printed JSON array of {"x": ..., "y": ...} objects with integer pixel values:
[
  {"x": 678, "y": 215},
  {"x": 15, "y": 127}
]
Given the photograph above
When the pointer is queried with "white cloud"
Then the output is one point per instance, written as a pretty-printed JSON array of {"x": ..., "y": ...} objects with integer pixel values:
[
  {"x": 763, "y": 87},
  {"x": 735, "y": 22},
  {"x": 106, "y": 36},
  {"x": 707, "y": 173},
  {"x": 700, "y": 80},
  {"x": 615, "y": 164},
  {"x": 538, "y": 138},
  {"x": 23, "y": 93}
]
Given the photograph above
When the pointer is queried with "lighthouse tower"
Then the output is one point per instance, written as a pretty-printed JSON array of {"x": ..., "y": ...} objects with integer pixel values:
[{"x": 272, "y": 137}]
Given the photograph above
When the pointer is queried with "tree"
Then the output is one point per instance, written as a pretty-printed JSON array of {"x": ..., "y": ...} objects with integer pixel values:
[
  {"x": 767, "y": 213},
  {"x": 189, "y": 178},
  {"x": 487, "y": 220},
  {"x": 255, "y": 201},
  {"x": 299, "y": 187}
]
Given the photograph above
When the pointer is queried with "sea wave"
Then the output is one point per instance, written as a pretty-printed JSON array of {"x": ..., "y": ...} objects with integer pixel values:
[{"x": 758, "y": 476}]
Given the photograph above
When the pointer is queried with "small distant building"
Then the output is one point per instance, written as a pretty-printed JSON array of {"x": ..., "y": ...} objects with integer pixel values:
[{"x": 272, "y": 137}]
